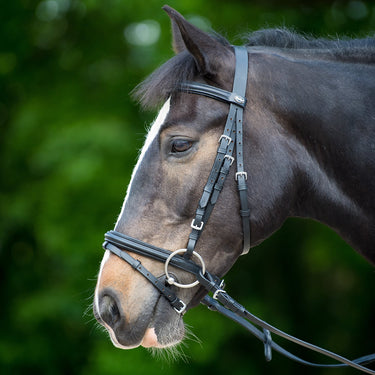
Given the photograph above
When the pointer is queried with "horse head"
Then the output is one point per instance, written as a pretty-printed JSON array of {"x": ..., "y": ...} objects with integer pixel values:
[
  {"x": 165, "y": 188},
  {"x": 291, "y": 174}
]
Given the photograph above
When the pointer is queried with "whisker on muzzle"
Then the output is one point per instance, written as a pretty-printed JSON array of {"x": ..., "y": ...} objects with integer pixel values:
[
  {"x": 170, "y": 354},
  {"x": 176, "y": 353}
]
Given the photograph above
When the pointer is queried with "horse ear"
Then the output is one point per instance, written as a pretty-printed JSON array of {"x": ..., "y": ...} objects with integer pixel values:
[
  {"x": 206, "y": 50},
  {"x": 178, "y": 43}
]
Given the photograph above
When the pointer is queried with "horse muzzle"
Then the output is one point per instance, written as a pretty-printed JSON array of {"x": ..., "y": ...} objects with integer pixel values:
[
  {"x": 155, "y": 325},
  {"x": 132, "y": 309}
]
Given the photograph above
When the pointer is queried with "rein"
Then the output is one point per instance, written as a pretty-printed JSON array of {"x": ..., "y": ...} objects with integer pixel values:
[{"x": 220, "y": 301}]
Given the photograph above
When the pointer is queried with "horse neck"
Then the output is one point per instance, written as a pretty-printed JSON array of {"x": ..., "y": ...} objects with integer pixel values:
[{"x": 326, "y": 110}]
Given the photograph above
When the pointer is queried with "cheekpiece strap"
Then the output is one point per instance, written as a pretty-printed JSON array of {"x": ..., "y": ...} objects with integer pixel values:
[{"x": 232, "y": 136}]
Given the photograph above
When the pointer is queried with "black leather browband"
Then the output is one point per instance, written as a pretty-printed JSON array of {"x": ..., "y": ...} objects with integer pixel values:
[{"x": 213, "y": 93}]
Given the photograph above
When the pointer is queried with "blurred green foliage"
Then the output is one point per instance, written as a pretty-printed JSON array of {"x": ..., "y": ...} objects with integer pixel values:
[{"x": 69, "y": 135}]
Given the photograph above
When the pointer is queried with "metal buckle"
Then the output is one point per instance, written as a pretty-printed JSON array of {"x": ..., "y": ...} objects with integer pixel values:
[
  {"x": 231, "y": 158},
  {"x": 226, "y": 137},
  {"x": 196, "y": 226},
  {"x": 182, "y": 309},
  {"x": 241, "y": 173},
  {"x": 171, "y": 280},
  {"x": 218, "y": 291}
]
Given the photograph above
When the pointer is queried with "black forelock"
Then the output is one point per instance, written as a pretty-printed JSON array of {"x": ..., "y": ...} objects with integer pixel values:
[{"x": 157, "y": 87}]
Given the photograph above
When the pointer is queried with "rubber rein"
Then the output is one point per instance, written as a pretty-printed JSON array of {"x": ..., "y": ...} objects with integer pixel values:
[{"x": 220, "y": 301}]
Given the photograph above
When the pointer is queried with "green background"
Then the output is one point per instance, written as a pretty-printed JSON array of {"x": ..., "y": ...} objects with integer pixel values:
[{"x": 69, "y": 135}]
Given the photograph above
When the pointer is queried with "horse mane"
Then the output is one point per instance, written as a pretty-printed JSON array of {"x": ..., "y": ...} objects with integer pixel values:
[
  {"x": 285, "y": 38},
  {"x": 156, "y": 88}
]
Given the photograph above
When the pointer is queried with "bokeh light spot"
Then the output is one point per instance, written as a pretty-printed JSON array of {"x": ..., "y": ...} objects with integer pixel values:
[
  {"x": 143, "y": 33},
  {"x": 357, "y": 10}
]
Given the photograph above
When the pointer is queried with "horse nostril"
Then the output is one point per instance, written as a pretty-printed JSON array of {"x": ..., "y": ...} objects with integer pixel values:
[{"x": 109, "y": 310}]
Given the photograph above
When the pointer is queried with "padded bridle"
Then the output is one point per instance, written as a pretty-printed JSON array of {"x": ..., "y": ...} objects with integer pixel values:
[{"x": 232, "y": 138}]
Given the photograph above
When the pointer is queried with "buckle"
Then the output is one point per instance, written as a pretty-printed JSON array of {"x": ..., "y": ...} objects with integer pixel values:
[
  {"x": 196, "y": 226},
  {"x": 218, "y": 291},
  {"x": 181, "y": 309},
  {"x": 241, "y": 173},
  {"x": 226, "y": 137},
  {"x": 231, "y": 158}
]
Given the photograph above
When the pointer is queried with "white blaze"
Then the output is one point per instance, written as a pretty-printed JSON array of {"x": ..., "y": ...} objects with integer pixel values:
[
  {"x": 151, "y": 135},
  {"x": 104, "y": 260}
]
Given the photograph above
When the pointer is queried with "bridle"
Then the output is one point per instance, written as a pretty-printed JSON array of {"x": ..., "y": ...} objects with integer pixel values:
[{"x": 220, "y": 301}]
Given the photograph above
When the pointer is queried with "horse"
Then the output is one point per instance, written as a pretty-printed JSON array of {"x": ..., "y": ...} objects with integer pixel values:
[{"x": 308, "y": 149}]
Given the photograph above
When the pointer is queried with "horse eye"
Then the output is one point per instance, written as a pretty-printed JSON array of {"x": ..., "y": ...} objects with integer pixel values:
[{"x": 181, "y": 145}]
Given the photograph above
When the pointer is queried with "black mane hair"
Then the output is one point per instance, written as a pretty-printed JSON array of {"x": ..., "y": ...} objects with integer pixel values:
[
  {"x": 160, "y": 84},
  {"x": 285, "y": 38}
]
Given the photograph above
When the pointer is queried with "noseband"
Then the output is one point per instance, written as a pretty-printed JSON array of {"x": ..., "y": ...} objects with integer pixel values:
[{"x": 183, "y": 259}]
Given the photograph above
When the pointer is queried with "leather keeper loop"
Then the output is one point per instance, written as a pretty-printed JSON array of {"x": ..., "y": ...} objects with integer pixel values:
[{"x": 245, "y": 213}]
